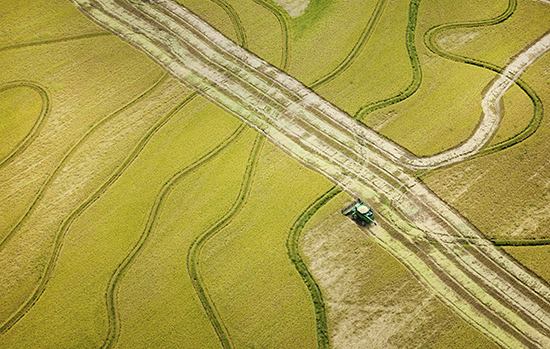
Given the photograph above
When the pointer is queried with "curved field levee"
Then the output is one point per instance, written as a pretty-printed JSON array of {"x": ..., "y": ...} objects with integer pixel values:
[
  {"x": 11, "y": 133},
  {"x": 356, "y": 50},
  {"x": 80, "y": 91},
  {"x": 237, "y": 23},
  {"x": 65, "y": 226},
  {"x": 285, "y": 30},
  {"x": 114, "y": 325},
  {"x": 430, "y": 40},
  {"x": 294, "y": 255},
  {"x": 56, "y": 40},
  {"x": 68, "y": 154},
  {"x": 415, "y": 65},
  {"x": 107, "y": 230},
  {"x": 193, "y": 255}
]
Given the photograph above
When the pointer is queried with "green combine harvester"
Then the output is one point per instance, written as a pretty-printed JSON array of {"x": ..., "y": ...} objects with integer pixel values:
[{"x": 359, "y": 212}]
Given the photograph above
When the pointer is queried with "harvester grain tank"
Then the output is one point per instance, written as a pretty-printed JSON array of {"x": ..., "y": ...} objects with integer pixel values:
[{"x": 359, "y": 212}]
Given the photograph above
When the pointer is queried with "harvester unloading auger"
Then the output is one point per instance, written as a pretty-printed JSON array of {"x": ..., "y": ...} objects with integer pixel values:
[{"x": 359, "y": 212}]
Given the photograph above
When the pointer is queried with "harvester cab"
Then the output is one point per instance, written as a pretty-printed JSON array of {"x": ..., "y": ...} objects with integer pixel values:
[{"x": 359, "y": 212}]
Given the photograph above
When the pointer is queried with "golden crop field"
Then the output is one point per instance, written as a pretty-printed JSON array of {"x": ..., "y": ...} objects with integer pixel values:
[{"x": 138, "y": 212}]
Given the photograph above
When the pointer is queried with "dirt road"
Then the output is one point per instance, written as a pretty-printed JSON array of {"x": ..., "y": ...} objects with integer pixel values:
[{"x": 443, "y": 250}]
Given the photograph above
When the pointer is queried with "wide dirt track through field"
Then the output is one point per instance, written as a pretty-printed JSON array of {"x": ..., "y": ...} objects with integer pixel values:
[{"x": 488, "y": 289}]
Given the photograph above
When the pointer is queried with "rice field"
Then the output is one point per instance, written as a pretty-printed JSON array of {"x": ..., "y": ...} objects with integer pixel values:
[{"x": 136, "y": 213}]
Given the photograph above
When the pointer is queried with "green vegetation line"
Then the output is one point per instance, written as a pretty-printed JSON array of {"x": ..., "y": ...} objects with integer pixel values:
[
  {"x": 294, "y": 254},
  {"x": 238, "y": 24},
  {"x": 531, "y": 242},
  {"x": 66, "y": 224},
  {"x": 430, "y": 40},
  {"x": 71, "y": 151},
  {"x": 285, "y": 29},
  {"x": 193, "y": 255},
  {"x": 110, "y": 294},
  {"x": 37, "y": 125},
  {"x": 415, "y": 64},
  {"x": 50, "y": 41},
  {"x": 354, "y": 53}
]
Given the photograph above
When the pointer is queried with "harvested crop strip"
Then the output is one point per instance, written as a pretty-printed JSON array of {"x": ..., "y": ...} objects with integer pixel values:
[
  {"x": 114, "y": 324},
  {"x": 294, "y": 255},
  {"x": 193, "y": 255}
]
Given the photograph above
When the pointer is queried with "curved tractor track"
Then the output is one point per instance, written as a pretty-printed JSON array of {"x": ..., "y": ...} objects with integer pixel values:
[{"x": 444, "y": 251}]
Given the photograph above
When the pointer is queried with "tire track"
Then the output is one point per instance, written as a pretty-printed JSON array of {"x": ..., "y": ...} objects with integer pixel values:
[
  {"x": 294, "y": 255},
  {"x": 66, "y": 225},
  {"x": 193, "y": 255},
  {"x": 430, "y": 40},
  {"x": 51, "y": 41},
  {"x": 118, "y": 274},
  {"x": 37, "y": 125},
  {"x": 415, "y": 64},
  {"x": 56, "y": 170},
  {"x": 357, "y": 48},
  {"x": 285, "y": 30}
]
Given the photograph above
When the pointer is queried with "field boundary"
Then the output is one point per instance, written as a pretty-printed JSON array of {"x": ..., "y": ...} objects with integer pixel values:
[
  {"x": 71, "y": 151},
  {"x": 415, "y": 64},
  {"x": 110, "y": 294},
  {"x": 65, "y": 226},
  {"x": 357, "y": 48},
  {"x": 27, "y": 140},
  {"x": 196, "y": 247},
  {"x": 292, "y": 246}
]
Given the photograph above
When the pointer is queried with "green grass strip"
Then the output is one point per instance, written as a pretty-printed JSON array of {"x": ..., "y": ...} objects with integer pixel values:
[
  {"x": 430, "y": 39},
  {"x": 285, "y": 29},
  {"x": 39, "y": 121},
  {"x": 51, "y": 41},
  {"x": 193, "y": 255},
  {"x": 292, "y": 245},
  {"x": 415, "y": 64},
  {"x": 169, "y": 185},
  {"x": 66, "y": 224},
  {"x": 72, "y": 150},
  {"x": 357, "y": 48},
  {"x": 532, "y": 242},
  {"x": 237, "y": 23}
]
